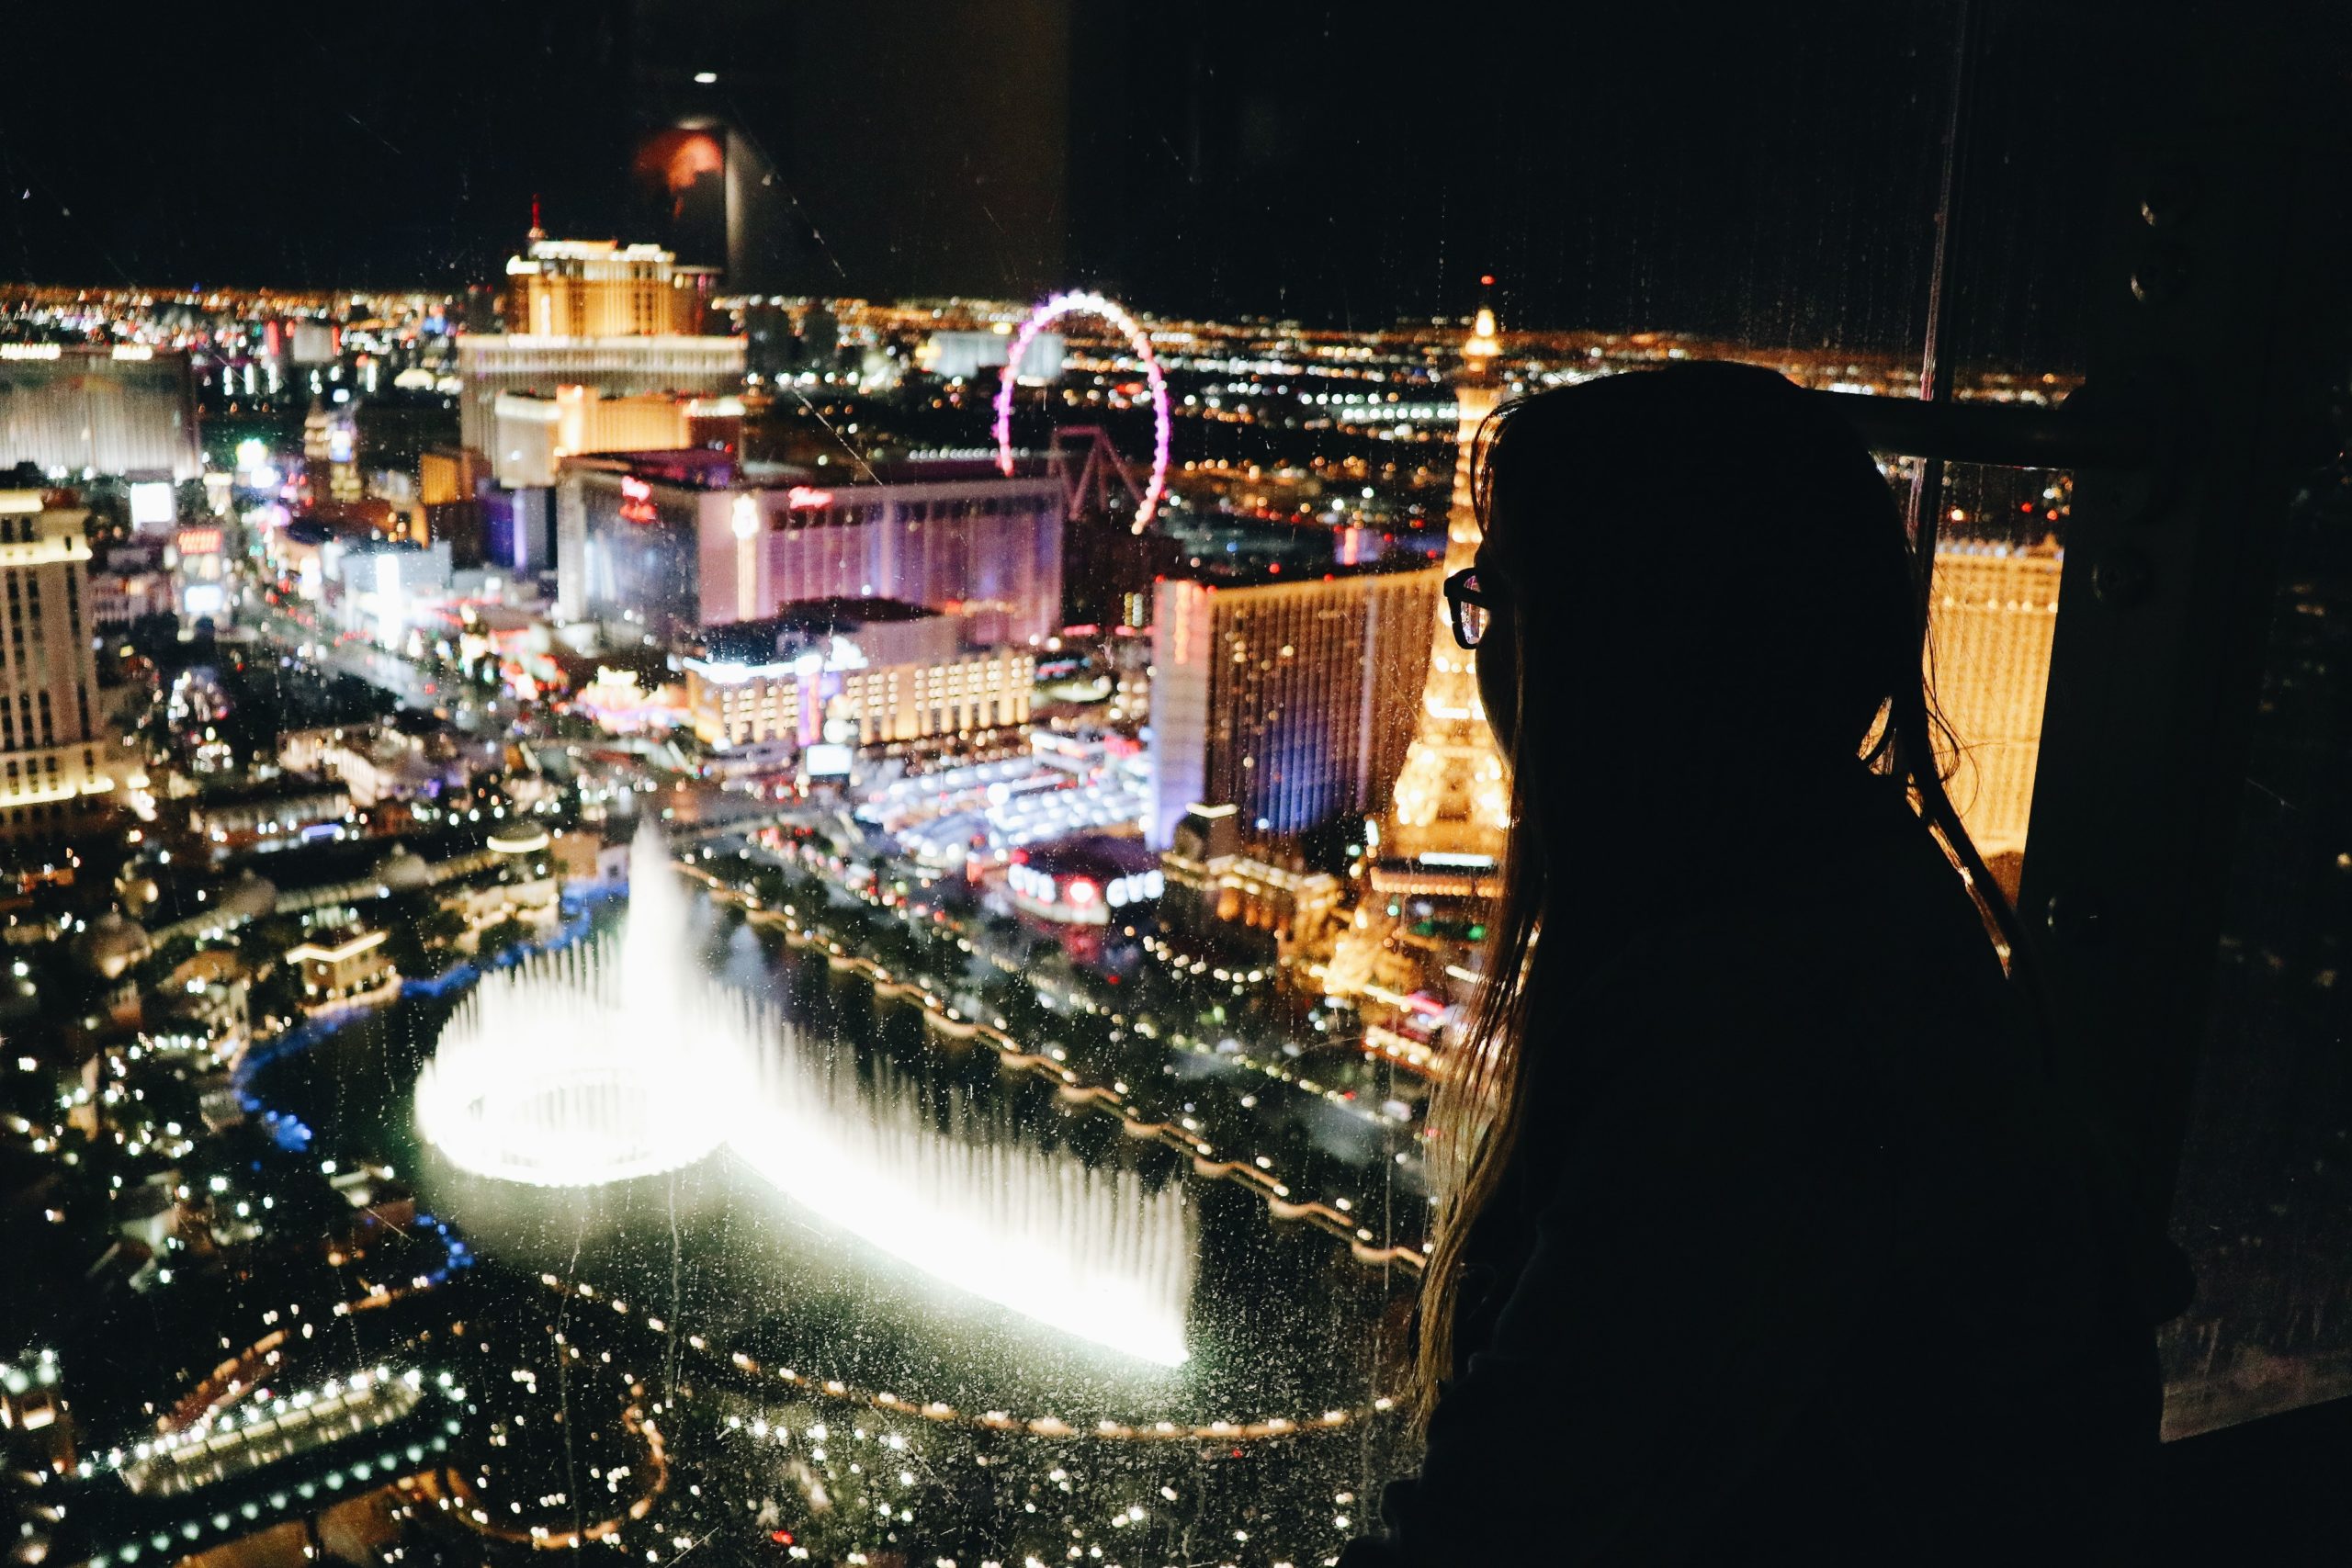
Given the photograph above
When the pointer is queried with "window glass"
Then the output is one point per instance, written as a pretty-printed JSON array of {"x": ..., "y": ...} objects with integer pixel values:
[
  {"x": 2261, "y": 1199},
  {"x": 2032, "y": 164},
  {"x": 695, "y": 946}
]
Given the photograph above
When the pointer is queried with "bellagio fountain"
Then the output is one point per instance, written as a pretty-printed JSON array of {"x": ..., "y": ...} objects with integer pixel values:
[{"x": 608, "y": 1061}]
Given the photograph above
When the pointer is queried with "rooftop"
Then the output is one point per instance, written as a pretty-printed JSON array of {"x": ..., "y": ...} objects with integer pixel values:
[
  {"x": 1260, "y": 574},
  {"x": 807, "y": 621},
  {"x": 701, "y": 468},
  {"x": 694, "y": 468},
  {"x": 543, "y": 250},
  {"x": 1089, "y": 854}
]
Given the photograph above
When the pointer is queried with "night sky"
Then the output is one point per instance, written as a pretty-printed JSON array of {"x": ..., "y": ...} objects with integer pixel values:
[{"x": 1753, "y": 171}]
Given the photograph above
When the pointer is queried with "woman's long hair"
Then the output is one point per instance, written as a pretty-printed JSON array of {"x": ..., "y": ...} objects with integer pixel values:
[{"x": 1731, "y": 542}]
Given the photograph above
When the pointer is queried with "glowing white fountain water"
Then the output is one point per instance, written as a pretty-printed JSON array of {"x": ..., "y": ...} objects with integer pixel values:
[{"x": 575, "y": 1069}]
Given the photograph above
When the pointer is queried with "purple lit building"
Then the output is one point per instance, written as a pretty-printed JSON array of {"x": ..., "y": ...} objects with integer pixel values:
[{"x": 674, "y": 542}]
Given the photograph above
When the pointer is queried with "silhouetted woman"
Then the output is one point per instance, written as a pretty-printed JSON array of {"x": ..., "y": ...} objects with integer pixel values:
[{"x": 1766, "y": 1239}]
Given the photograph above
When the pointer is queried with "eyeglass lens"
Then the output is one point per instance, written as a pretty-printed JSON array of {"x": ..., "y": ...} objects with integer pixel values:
[
  {"x": 1470, "y": 617},
  {"x": 1469, "y": 622}
]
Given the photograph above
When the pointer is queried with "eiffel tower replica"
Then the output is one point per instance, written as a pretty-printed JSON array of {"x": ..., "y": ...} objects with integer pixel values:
[
  {"x": 1441, "y": 838},
  {"x": 1451, "y": 799}
]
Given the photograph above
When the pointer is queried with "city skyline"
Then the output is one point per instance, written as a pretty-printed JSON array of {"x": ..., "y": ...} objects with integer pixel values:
[{"x": 741, "y": 819}]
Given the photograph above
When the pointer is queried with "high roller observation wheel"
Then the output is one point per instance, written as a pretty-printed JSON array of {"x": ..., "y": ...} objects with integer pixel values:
[{"x": 1086, "y": 303}]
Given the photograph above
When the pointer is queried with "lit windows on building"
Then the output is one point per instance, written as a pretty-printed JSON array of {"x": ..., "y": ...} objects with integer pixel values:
[
  {"x": 535, "y": 430},
  {"x": 1212, "y": 883},
  {"x": 55, "y": 768},
  {"x": 109, "y": 411},
  {"x": 863, "y": 672},
  {"x": 1279, "y": 696},
  {"x": 495, "y": 364},
  {"x": 602, "y": 288},
  {"x": 341, "y": 971},
  {"x": 680, "y": 541},
  {"x": 1993, "y": 613},
  {"x": 736, "y": 705}
]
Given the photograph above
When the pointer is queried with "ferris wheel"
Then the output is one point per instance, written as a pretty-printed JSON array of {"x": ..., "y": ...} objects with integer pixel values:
[{"x": 1086, "y": 303}]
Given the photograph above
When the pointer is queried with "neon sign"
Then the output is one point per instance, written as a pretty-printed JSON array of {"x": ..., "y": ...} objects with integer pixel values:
[
  {"x": 637, "y": 501},
  {"x": 803, "y": 498}
]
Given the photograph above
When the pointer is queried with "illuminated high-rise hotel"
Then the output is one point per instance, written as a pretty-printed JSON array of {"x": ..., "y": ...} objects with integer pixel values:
[
  {"x": 1452, "y": 797},
  {"x": 1993, "y": 614},
  {"x": 126, "y": 409},
  {"x": 675, "y": 542},
  {"x": 602, "y": 288},
  {"x": 1276, "y": 695},
  {"x": 624, "y": 319},
  {"x": 53, "y": 761}
]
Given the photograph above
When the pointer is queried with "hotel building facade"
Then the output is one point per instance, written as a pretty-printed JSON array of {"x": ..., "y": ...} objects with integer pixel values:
[
  {"x": 603, "y": 288},
  {"x": 1993, "y": 616},
  {"x": 1280, "y": 696},
  {"x": 127, "y": 410},
  {"x": 54, "y": 764},
  {"x": 863, "y": 672},
  {"x": 679, "y": 542},
  {"x": 494, "y": 365}
]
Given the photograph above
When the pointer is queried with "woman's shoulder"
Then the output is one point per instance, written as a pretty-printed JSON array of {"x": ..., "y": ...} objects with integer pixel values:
[{"x": 1872, "y": 968}]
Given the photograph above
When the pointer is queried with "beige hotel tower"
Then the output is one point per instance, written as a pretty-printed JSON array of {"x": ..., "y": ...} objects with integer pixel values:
[
  {"x": 55, "y": 764},
  {"x": 1992, "y": 612}
]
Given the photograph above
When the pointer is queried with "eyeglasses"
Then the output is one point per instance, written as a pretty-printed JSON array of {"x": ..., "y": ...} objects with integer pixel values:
[{"x": 1470, "y": 605}]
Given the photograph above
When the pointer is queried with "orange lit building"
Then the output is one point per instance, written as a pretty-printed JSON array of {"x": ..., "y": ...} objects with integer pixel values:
[
  {"x": 352, "y": 969},
  {"x": 1211, "y": 882},
  {"x": 625, "y": 320},
  {"x": 1441, "y": 841},
  {"x": 446, "y": 475},
  {"x": 535, "y": 433},
  {"x": 1992, "y": 615},
  {"x": 602, "y": 288}
]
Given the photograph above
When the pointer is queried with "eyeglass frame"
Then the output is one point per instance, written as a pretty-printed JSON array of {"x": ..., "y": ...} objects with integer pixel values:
[{"x": 1462, "y": 592}]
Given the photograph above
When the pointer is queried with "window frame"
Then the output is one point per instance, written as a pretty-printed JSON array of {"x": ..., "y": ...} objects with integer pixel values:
[{"x": 2213, "y": 332}]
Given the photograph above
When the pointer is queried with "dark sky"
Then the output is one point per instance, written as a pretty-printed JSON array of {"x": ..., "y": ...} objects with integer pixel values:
[
  {"x": 1766, "y": 172},
  {"x": 1716, "y": 168}
]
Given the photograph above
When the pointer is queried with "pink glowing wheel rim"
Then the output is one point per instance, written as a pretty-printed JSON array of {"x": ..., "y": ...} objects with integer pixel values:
[{"x": 1089, "y": 304}]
